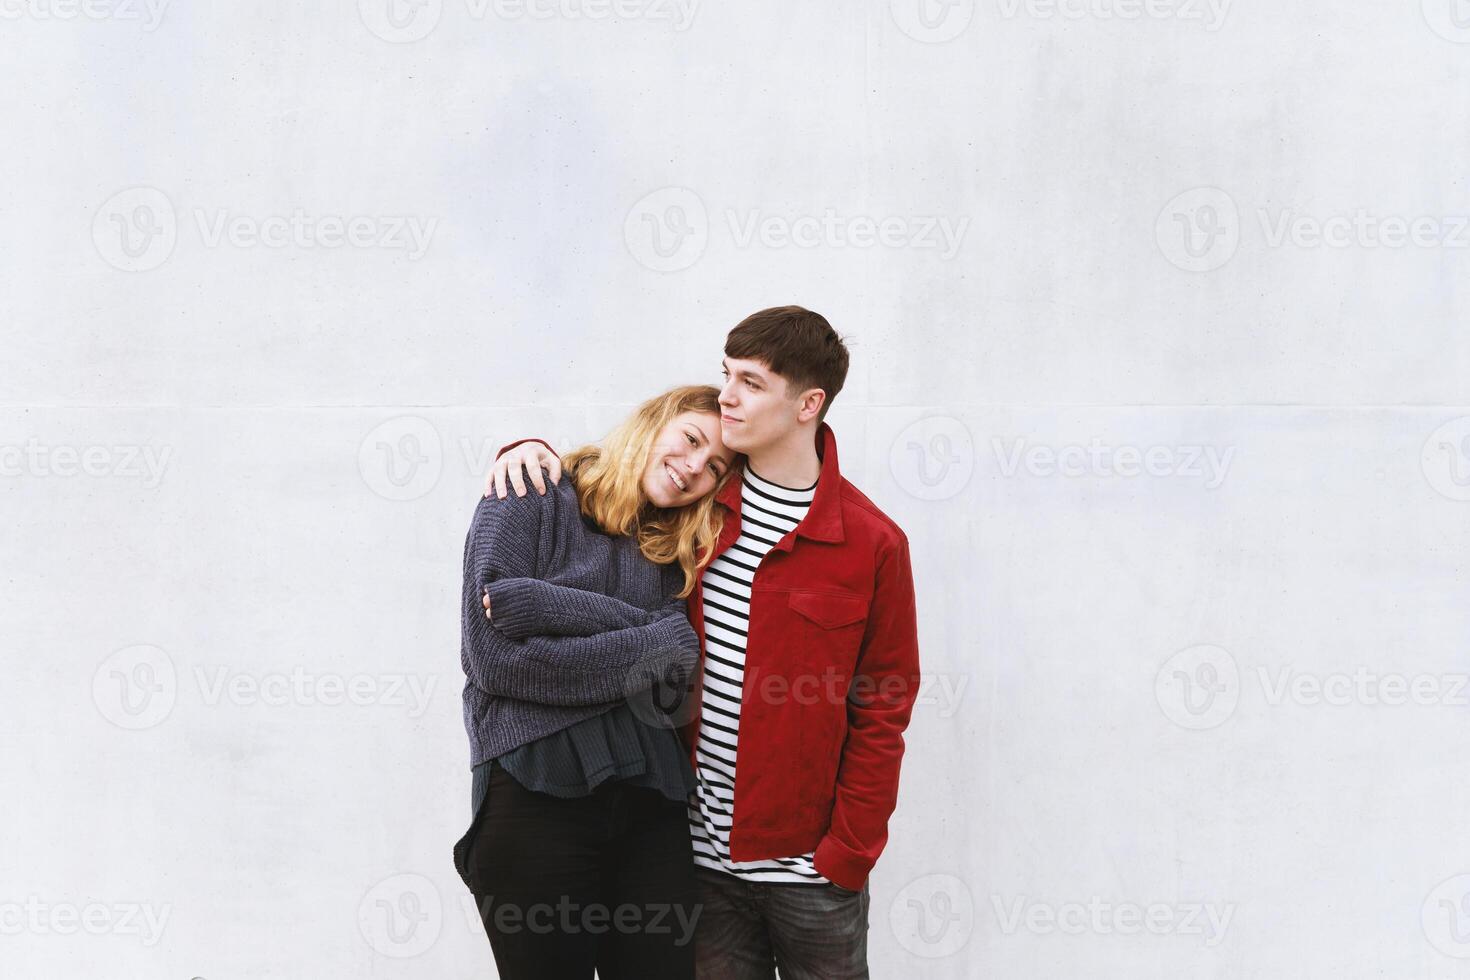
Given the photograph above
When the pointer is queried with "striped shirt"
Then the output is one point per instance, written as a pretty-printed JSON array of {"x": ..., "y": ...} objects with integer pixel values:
[{"x": 768, "y": 512}]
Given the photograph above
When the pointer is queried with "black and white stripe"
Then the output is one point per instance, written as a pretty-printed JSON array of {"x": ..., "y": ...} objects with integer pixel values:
[{"x": 768, "y": 512}]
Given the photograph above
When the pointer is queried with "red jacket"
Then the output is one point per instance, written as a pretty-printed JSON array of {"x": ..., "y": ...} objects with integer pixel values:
[{"x": 831, "y": 675}]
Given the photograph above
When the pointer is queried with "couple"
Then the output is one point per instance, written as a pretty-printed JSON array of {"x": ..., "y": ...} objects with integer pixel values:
[{"x": 710, "y": 537}]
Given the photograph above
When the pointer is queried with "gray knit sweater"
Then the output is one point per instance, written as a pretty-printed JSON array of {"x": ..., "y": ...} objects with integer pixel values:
[{"x": 581, "y": 620}]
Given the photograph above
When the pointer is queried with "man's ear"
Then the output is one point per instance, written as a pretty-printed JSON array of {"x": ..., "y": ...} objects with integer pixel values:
[{"x": 811, "y": 404}]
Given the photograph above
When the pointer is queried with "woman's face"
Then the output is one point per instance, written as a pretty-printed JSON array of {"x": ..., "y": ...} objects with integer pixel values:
[{"x": 686, "y": 460}]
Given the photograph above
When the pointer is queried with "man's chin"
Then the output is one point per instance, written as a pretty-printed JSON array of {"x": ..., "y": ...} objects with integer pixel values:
[{"x": 732, "y": 437}]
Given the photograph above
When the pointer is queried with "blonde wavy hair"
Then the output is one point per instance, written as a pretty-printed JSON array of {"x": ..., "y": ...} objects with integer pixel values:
[{"x": 608, "y": 479}]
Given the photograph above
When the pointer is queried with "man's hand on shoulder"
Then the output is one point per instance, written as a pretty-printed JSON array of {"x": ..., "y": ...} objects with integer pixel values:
[{"x": 513, "y": 465}]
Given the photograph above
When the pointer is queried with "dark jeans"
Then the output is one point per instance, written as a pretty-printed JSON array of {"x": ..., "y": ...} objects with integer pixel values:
[
  {"x": 749, "y": 929},
  {"x": 566, "y": 886}
]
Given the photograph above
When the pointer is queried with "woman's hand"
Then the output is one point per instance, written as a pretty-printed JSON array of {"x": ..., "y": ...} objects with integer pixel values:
[
  {"x": 485, "y": 601},
  {"x": 527, "y": 459}
]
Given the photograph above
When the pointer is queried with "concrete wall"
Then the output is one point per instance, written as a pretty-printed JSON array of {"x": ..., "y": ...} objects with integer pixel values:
[{"x": 1156, "y": 311}]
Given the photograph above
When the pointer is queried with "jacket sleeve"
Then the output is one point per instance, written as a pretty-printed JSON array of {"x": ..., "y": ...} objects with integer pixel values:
[
  {"x": 507, "y": 448},
  {"x": 521, "y": 607},
  {"x": 562, "y": 670},
  {"x": 886, "y": 684}
]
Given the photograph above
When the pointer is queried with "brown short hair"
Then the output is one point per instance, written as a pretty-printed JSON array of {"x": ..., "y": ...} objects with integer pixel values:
[{"x": 795, "y": 343}]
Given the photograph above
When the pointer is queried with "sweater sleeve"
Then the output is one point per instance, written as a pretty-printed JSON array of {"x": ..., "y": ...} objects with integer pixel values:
[
  {"x": 521, "y": 607},
  {"x": 560, "y": 670}
]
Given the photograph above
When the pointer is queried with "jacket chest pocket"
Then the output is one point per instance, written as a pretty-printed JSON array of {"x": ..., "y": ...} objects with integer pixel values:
[
  {"x": 824, "y": 636},
  {"x": 827, "y": 628}
]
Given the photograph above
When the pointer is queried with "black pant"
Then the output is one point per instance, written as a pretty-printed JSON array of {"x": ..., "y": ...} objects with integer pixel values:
[
  {"x": 566, "y": 886},
  {"x": 750, "y": 929}
]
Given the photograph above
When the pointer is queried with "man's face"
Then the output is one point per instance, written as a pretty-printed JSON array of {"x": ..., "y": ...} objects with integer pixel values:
[{"x": 754, "y": 408}]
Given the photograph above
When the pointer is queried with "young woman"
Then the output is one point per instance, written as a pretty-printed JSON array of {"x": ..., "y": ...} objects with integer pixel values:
[{"x": 578, "y": 852}]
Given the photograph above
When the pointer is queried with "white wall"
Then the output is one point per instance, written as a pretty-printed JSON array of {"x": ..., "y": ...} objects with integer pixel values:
[{"x": 238, "y": 519}]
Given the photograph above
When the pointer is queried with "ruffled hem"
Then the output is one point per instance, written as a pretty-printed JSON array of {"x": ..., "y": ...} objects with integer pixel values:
[{"x": 614, "y": 745}]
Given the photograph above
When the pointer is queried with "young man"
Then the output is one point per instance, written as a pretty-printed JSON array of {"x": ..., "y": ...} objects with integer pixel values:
[{"x": 809, "y": 673}]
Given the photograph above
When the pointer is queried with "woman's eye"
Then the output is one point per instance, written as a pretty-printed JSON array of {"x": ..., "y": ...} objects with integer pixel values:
[{"x": 691, "y": 439}]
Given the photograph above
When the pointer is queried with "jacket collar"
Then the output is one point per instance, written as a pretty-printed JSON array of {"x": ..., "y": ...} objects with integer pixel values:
[{"x": 823, "y": 520}]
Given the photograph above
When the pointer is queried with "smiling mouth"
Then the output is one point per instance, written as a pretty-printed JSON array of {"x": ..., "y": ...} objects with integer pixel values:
[{"x": 674, "y": 478}]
